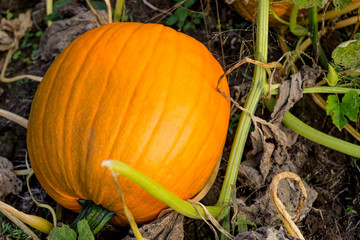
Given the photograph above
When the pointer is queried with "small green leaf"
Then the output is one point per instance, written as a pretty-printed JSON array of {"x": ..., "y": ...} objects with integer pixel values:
[
  {"x": 16, "y": 55},
  {"x": 54, "y": 15},
  {"x": 197, "y": 18},
  {"x": 188, "y": 26},
  {"x": 333, "y": 107},
  {"x": 62, "y": 233},
  {"x": 341, "y": 4},
  {"x": 9, "y": 15},
  {"x": 243, "y": 223},
  {"x": 84, "y": 230},
  {"x": 99, "y": 5},
  {"x": 183, "y": 14},
  {"x": 332, "y": 77},
  {"x": 357, "y": 36},
  {"x": 348, "y": 107},
  {"x": 347, "y": 54},
  {"x": 172, "y": 20},
  {"x": 189, "y": 3},
  {"x": 60, "y": 3},
  {"x": 38, "y": 33},
  {"x": 308, "y": 3}
]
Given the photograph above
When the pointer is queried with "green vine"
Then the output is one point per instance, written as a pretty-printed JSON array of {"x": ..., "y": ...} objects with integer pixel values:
[{"x": 251, "y": 103}]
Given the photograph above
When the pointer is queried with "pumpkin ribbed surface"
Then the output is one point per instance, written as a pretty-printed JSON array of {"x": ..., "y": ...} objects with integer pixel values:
[{"x": 143, "y": 94}]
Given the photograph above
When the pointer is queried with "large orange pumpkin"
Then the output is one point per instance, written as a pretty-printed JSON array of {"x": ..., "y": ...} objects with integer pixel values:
[{"x": 143, "y": 94}]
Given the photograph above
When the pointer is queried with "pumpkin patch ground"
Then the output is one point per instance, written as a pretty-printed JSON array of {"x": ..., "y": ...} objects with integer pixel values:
[{"x": 330, "y": 178}]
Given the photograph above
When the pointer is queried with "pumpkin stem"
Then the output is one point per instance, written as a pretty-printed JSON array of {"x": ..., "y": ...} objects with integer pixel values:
[{"x": 96, "y": 215}]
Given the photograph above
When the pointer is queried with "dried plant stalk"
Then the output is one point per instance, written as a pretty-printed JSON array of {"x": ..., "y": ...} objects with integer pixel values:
[{"x": 280, "y": 208}]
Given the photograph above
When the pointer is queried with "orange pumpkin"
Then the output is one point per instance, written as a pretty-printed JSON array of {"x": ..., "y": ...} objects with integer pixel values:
[
  {"x": 248, "y": 9},
  {"x": 140, "y": 93}
]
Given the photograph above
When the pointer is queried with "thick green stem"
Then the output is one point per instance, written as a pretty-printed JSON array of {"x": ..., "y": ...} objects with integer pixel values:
[
  {"x": 314, "y": 135},
  {"x": 96, "y": 215},
  {"x": 313, "y": 28},
  {"x": 322, "y": 89},
  {"x": 250, "y": 104},
  {"x": 327, "y": 89},
  {"x": 159, "y": 192}
]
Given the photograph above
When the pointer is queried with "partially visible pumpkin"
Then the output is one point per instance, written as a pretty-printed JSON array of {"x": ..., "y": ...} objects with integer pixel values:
[
  {"x": 248, "y": 9},
  {"x": 140, "y": 93}
]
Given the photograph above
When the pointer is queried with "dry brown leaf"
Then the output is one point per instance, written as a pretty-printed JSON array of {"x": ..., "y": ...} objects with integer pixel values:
[
  {"x": 262, "y": 212},
  {"x": 169, "y": 227},
  {"x": 6, "y": 42},
  {"x": 11, "y": 31},
  {"x": 291, "y": 91},
  {"x": 61, "y": 33},
  {"x": 271, "y": 140},
  {"x": 9, "y": 183}
]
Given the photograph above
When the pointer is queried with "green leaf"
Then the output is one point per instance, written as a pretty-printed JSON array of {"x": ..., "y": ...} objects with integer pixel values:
[
  {"x": 188, "y": 26},
  {"x": 172, "y": 20},
  {"x": 66, "y": 233},
  {"x": 16, "y": 55},
  {"x": 347, "y": 54},
  {"x": 348, "y": 107},
  {"x": 183, "y": 14},
  {"x": 308, "y": 3},
  {"x": 243, "y": 223},
  {"x": 189, "y": 3},
  {"x": 57, "y": 4},
  {"x": 9, "y": 15},
  {"x": 333, "y": 107},
  {"x": 84, "y": 230},
  {"x": 99, "y": 5},
  {"x": 357, "y": 36},
  {"x": 62, "y": 233},
  {"x": 197, "y": 18},
  {"x": 332, "y": 77},
  {"x": 38, "y": 33},
  {"x": 341, "y": 4}
]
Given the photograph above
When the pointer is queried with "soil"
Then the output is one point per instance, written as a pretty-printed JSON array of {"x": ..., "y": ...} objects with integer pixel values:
[{"x": 335, "y": 177}]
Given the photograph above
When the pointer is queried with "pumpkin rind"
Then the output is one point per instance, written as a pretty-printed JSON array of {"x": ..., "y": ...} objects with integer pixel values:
[
  {"x": 143, "y": 94},
  {"x": 248, "y": 10}
]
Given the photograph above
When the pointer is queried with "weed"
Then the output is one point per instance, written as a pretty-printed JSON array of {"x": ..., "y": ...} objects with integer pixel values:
[
  {"x": 9, "y": 15},
  {"x": 25, "y": 43},
  {"x": 16, "y": 55},
  {"x": 184, "y": 18},
  {"x": 10, "y": 230},
  {"x": 350, "y": 210},
  {"x": 353, "y": 161},
  {"x": 21, "y": 94},
  {"x": 54, "y": 15},
  {"x": 128, "y": 16}
]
